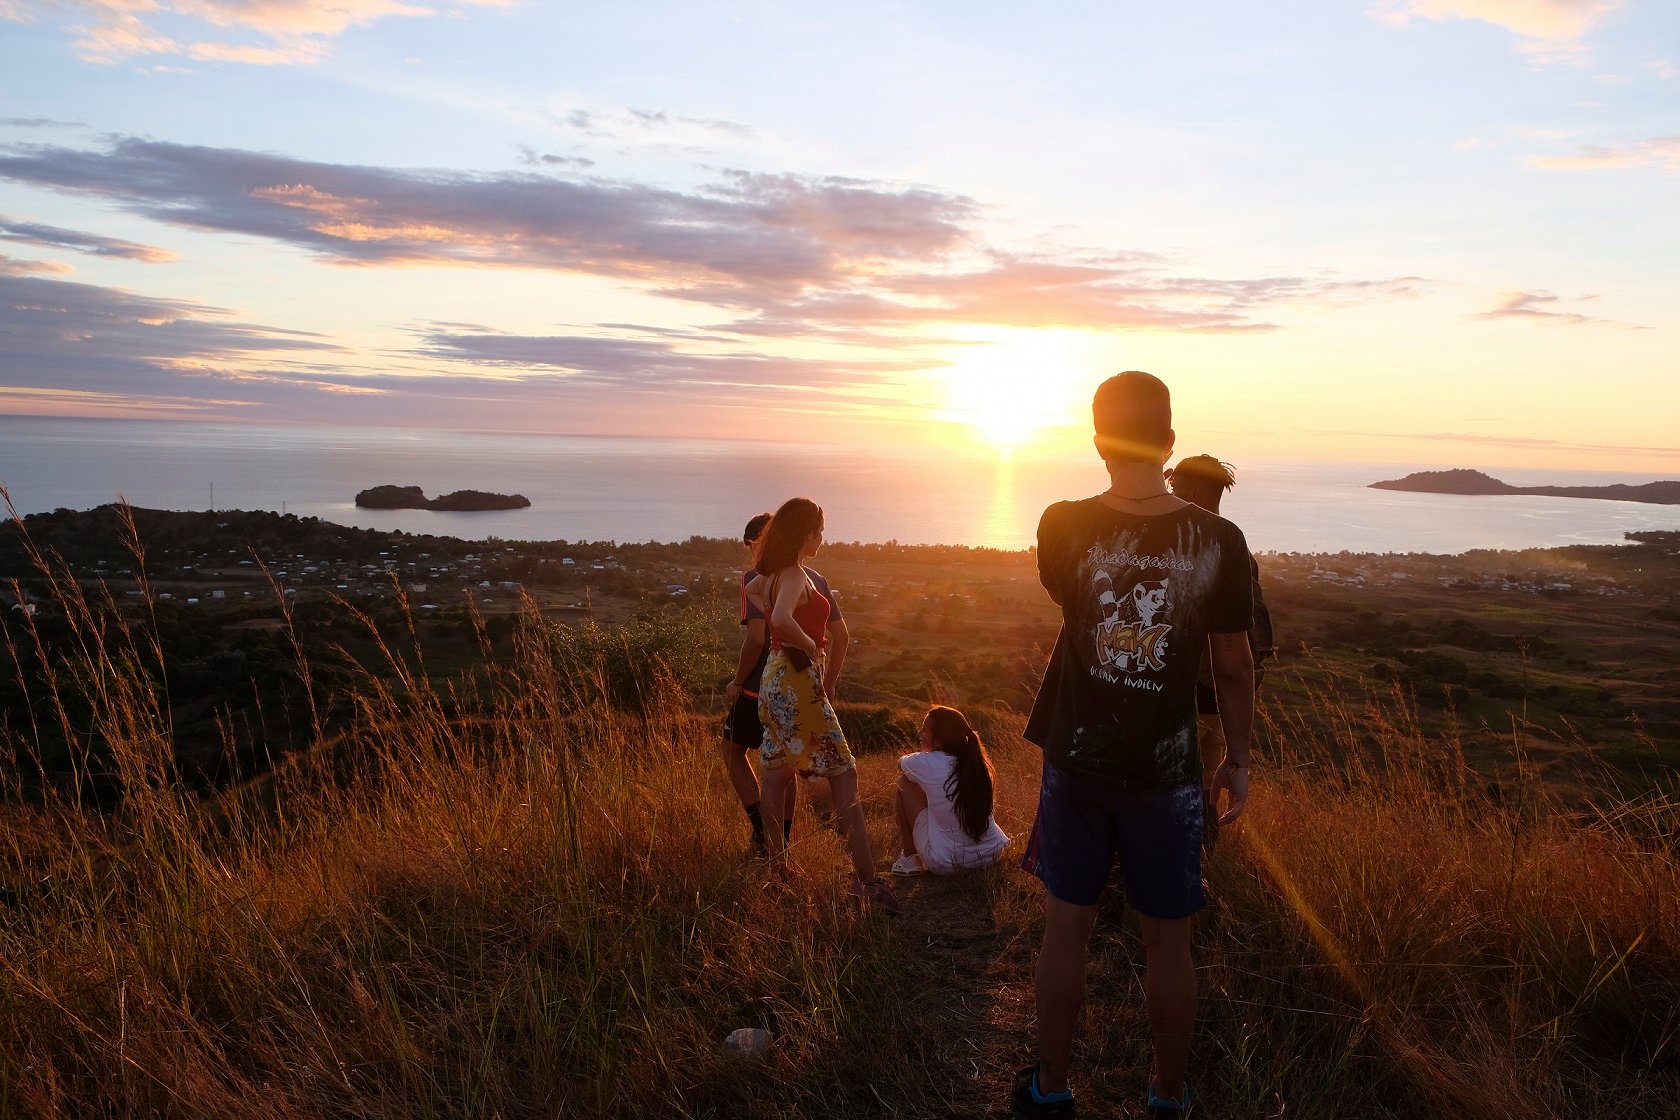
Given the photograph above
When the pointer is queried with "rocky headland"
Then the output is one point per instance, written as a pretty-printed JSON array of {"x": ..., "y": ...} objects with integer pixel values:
[
  {"x": 1476, "y": 483},
  {"x": 412, "y": 497}
]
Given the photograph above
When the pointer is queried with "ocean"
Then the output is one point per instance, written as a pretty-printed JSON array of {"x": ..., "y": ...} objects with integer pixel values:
[{"x": 630, "y": 489}]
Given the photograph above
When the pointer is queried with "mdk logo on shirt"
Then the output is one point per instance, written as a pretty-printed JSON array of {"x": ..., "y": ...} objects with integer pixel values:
[{"x": 1128, "y": 638}]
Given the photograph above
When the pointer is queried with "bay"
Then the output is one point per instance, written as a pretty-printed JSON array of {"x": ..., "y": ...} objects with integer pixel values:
[{"x": 634, "y": 489}]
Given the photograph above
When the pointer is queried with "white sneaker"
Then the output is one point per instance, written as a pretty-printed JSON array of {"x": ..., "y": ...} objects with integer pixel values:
[{"x": 908, "y": 864}]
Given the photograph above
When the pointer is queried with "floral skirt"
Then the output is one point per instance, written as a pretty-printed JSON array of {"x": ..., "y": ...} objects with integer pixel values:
[{"x": 800, "y": 727}]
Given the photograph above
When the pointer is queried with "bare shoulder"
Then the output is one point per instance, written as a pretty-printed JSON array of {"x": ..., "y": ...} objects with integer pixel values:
[{"x": 789, "y": 581}]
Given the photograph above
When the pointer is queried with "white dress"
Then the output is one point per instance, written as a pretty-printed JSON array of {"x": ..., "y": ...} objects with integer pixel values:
[{"x": 940, "y": 840}]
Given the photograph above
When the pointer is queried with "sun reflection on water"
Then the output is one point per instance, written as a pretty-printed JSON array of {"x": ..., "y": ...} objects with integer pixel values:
[{"x": 1004, "y": 525}]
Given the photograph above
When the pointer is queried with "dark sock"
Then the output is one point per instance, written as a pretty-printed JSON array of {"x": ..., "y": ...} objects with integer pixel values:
[
  {"x": 787, "y": 829},
  {"x": 757, "y": 820}
]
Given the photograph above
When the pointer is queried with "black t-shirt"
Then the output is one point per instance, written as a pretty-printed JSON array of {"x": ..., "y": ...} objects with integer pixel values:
[
  {"x": 1139, "y": 595},
  {"x": 1261, "y": 646}
]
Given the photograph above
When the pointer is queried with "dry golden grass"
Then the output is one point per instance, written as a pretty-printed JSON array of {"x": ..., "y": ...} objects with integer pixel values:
[{"x": 518, "y": 900}]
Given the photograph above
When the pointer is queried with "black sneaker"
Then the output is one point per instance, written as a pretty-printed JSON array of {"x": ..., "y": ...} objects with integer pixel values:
[
  {"x": 876, "y": 892},
  {"x": 1021, "y": 1101}
]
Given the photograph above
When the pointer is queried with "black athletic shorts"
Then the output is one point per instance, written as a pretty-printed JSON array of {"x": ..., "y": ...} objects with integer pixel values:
[{"x": 741, "y": 726}]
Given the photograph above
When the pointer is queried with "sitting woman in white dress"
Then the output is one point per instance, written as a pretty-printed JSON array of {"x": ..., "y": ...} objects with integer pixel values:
[{"x": 944, "y": 801}]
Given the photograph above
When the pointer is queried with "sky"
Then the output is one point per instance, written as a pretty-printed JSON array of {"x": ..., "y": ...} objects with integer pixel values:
[{"x": 1433, "y": 231}]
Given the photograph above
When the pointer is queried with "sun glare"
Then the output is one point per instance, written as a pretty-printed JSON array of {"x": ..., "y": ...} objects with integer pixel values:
[{"x": 1012, "y": 386}]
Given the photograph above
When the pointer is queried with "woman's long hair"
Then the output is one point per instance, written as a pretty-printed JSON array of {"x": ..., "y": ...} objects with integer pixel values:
[
  {"x": 970, "y": 785},
  {"x": 778, "y": 546}
]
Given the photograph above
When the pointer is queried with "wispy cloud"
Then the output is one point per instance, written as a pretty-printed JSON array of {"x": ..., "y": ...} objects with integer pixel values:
[
  {"x": 878, "y": 275},
  {"x": 1659, "y": 151},
  {"x": 1012, "y": 290},
  {"x": 1543, "y": 307},
  {"x": 530, "y": 157},
  {"x": 620, "y": 124},
  {"x": 37, "y": 122},
  {"x": 656, "y": 364},
  {"x": 15, "y": 266},
  {"x": 60, "y": 335},
  {"x": 1553, "y": 21},
  {"x": 1486, "y": 440},
  {"x": 842, "y": 258},
  {"x": 259, "y": 32},
  {"x": 30, "y": 401},
  {"x": 33, "y": 233},
  {"x": 1523, "y": 443},
  {"x": 751, "y": 231},
  {"x": 73, "y": 346}
]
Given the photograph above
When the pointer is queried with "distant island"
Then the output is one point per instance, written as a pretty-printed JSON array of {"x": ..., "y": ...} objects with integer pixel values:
[
  {"x": 1476, "y": 483},
  {"x": 412, "y": 497}
]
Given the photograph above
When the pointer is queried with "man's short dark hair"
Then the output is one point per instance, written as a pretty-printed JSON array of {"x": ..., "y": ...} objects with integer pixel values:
[
  {"x": 1202, "y": 480},
  {"x": 755, "y": 528},
  {"x": 1132, "y": 414}
]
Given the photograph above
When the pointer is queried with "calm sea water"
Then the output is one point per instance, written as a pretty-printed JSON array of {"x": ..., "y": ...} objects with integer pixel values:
[{"x": 606, "y": 488}]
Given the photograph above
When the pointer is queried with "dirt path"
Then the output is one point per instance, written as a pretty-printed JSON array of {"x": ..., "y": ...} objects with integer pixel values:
[{"x": 973, "y": 940}]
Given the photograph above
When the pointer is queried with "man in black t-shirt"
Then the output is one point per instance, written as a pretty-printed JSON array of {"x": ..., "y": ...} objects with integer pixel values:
[{"x": 1146, "y": 583}]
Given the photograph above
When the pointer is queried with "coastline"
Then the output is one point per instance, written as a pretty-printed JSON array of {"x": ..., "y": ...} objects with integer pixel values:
[{"x": 627, "y": 489}]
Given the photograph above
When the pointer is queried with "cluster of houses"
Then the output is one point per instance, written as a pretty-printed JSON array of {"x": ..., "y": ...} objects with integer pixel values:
[
  {"x": 215, "y": 568},
  {"x": 244, "y": 578},
  {"x": 1373, "y": 571}
]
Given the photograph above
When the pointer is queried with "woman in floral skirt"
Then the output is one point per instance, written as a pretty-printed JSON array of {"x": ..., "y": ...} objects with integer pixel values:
[{"x": 801, "y": 732}]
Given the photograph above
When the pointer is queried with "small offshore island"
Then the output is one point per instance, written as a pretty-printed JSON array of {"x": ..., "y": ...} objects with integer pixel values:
[
  {"x": 1476, "y": 483},
  {"x": 412, "y": 497}
]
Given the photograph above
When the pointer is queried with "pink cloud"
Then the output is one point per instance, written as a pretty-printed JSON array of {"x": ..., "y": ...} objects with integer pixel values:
[
  {"x": 55, "y": 237},
  {"x": 1663, "y": 151},
  {"x": 784, "y": 255},
  {"x": 1543, "y": 307},
  {"x": 13, "y": 266},
  {"x": 288, "y": 32},
  {"x": 1554, "y": 21}
]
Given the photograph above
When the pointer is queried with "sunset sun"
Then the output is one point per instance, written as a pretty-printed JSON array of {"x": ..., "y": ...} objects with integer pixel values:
[{"x": 1012, "y": 386}]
